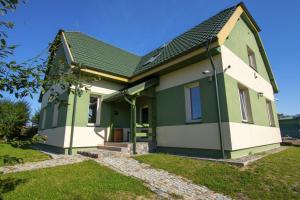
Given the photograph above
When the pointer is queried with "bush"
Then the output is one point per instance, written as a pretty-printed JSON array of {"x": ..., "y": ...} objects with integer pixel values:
[{"x": 14, "y": 116}]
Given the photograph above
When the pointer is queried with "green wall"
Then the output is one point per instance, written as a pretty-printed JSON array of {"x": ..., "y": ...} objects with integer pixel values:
[
  {"x": 258, "y": 104},
  {"x": 171, "y": 103},
  {"x": 242, "y": 36}
]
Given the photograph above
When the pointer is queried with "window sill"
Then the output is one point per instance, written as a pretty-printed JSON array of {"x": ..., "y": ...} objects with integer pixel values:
[
  {"x": 93, "y": 125},
  {"x": 194, "y": 122}
]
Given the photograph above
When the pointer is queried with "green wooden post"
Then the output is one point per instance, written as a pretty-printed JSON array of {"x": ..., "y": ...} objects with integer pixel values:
[
  {"x": 153, "y": 114},
  {"x": 133, "y": 123}
]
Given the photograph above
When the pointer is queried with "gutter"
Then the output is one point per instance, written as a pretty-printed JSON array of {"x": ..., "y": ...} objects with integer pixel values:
[{"x": 217, "y": 98}]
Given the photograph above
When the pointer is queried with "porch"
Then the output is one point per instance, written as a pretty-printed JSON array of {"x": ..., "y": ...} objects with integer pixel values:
[{"x": 133, "y": 118}]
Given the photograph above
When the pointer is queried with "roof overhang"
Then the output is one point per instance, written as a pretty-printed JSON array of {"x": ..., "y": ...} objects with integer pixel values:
[{"x": 131, "y": 91}]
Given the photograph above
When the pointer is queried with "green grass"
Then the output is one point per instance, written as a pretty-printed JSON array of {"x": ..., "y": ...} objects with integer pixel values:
[
  {"x": 86, "y": 180},
  {"x": 27, "y": 155},
  {"x": 276, "y": 176}
]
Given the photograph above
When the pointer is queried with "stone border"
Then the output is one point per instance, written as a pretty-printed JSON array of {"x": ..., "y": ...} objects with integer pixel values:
[{"x": 243, "y": 161}]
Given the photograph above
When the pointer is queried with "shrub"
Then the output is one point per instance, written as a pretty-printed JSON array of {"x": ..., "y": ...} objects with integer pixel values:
[{"x": 14, "y": 116}]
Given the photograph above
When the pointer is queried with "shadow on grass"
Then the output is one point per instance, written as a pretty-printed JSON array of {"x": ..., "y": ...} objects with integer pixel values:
[{"x": 9, "y": 184}]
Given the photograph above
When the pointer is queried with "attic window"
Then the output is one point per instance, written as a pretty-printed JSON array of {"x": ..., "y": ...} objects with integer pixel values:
[{"x": 251, "y": 57}]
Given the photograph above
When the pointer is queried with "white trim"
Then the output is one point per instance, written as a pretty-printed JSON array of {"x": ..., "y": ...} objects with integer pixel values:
[
  {"x": 188, "y": 106},
  {"x": 68, "y": 53},
  {"x": 98, "y": 109}
]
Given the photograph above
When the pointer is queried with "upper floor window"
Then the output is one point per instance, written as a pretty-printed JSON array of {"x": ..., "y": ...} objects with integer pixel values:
[
  {"x": 93, "y": 108},
  {"x": 251, "y": 57},
  {"x": 270, "y": 113},
  {"x": 193, "y": 103},
  {"x": 245, "y": 104}
]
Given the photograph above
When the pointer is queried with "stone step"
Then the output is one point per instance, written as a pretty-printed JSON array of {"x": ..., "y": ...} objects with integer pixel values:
[
  {"x": 116, "y": 144},
  {"x": 102, "y": 153},
  {"x": 114, "y": 148}
]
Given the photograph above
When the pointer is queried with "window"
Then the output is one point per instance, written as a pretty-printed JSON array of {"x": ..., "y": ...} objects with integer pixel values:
[
  {"x": 251, "y": 57},
  {"x": 44, "y": 117},
  {"x": 93, "y": 106},
  {"x": 193, "y": 103},
  {"x": 144, "y": 113},
  {"x": 270, "y": 113},
  {"x": 55, "y": 115},
  {"x": 245, "y": 105}
]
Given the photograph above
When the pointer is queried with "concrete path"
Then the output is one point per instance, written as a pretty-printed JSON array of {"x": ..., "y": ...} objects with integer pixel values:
[
  {"x": 57, "y": 160},
  {"x": 164, "y": 184}
]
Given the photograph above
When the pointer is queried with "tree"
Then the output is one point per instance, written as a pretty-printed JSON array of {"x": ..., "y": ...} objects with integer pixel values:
[{"x": 13, "y": 118}]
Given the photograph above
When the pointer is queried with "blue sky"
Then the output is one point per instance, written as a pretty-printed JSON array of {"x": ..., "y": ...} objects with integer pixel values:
[{"x": 140, "y": 26}]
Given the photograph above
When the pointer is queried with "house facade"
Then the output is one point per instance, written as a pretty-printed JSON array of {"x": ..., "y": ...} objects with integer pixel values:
[{"x": 206, "y": 92}]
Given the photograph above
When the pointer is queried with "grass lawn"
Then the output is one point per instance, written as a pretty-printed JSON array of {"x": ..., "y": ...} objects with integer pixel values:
[
  {"x": 28, "y": 155},
  {"x": 276, "y": 176},
  {"x": 86, "y": 180}
]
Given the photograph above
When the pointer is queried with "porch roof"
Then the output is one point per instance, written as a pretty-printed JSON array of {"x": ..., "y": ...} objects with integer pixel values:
[{"x": 131, "y": 90}]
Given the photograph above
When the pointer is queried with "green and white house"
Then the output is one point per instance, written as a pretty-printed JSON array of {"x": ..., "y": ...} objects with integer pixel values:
[{"x": 169, "y": 95}]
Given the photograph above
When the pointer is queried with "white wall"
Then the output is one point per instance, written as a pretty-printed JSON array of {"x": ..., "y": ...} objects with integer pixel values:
[
  {"x": 202, "y": 136},
  {"x": 188, "y": 74},
  {"x": 244, "y": 74},
  {"x": 249, "y": 135},
  {"x": 86, "y": 136},
  {"x": 55, "y": 136}
]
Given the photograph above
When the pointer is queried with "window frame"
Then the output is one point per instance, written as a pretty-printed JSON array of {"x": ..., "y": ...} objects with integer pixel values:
[
  {"x": 188, "y": 103},
  {"x": 247, "y": 104},
  {"x": 251, "y": 58},
  {"x": 141, "y": 117},
  {"x": 270, "y": 113},
  {"x": 98, "y": 110}
]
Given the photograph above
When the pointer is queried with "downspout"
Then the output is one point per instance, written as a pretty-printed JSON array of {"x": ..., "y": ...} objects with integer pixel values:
[
  {"x": 133, "y": 121},
  {"x": 217, "y": 98},
  {"x": 73, "y": 120}
]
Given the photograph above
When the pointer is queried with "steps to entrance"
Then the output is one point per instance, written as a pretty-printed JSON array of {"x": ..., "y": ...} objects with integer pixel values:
[{"x": 114, "y": 148}]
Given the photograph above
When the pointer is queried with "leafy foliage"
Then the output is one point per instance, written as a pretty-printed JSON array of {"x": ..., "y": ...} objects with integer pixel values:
[{"x": 13, "y": 118}]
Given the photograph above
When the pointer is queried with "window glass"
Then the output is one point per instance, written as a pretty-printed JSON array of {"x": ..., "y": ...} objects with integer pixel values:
[
  {"x": 243, "y": 103},
  {"x": 195, "y": 103},
  {"x": 92, "y": 110}
]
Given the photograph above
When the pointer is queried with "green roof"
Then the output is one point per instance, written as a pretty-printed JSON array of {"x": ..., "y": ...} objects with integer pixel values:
[
  {"x": 99, "y": 55},
  {"x": 96, "y": 54}
]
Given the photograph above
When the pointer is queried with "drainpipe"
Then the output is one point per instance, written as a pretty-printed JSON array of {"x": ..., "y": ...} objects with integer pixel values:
[
  {"x": 217, "y": 98},
  {"x": 133, "y": 121},
  {"x": 73, "y": 120}
]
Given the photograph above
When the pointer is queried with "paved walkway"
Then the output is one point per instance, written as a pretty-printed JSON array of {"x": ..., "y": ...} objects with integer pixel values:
[
  {"x": 161, "y": 182},
  {"x": 57, "y": 160},
  {"x": 164, "y": 184}
]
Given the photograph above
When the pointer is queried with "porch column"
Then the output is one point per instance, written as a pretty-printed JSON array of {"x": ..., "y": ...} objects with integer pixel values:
[{"x": 133, "y": 123}]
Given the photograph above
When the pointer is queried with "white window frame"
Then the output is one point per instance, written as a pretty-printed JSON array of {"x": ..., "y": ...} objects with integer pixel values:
[
  {"x": 55, "y": 115},
  {"x": 251, "y": 58},
  {"x": 44, "y": 117},
  {"x": 270, "y": 113},
  {"x": 245, "y": 104},
  {"x": 141, "y": 108},
  {"x": 188, "y": 106},
  {"x": 98, "y": 112}
]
